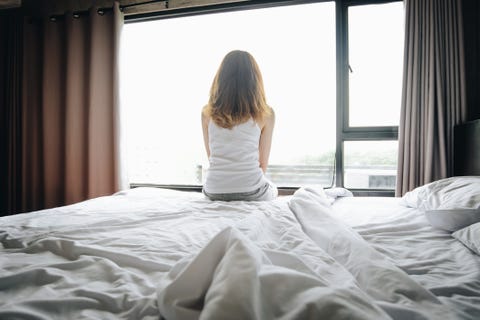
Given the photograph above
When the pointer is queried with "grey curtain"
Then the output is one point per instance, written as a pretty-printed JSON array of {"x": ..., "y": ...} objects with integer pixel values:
[
  {"x": 434, "y": 97},
  {"x": 65, "y": 126}
]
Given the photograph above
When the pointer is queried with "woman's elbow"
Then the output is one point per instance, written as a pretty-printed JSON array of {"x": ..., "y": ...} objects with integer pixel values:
[{"x": 263, "y": 166}]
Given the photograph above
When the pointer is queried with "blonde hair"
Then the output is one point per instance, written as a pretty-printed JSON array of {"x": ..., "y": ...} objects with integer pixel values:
[{"x": 237, "y": 92}]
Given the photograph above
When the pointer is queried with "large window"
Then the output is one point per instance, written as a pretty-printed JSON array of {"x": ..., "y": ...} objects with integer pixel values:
[
  {"x": 168, "y": 64},
  {"x": 373, "y": 60}
]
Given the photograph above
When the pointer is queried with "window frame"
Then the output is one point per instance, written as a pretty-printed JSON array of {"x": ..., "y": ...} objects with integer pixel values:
[{"x": 344, "y": 132}]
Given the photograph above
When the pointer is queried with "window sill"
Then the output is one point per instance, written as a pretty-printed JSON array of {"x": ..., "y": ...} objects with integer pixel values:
[{"x": 282, "y": 191}]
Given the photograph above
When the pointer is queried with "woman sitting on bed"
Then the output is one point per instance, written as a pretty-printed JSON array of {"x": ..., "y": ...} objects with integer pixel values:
[{"x": 237, "y": 130}]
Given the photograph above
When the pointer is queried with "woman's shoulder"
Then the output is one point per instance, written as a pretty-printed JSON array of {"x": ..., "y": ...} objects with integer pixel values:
[
  {"x": 268, "y": 118},
  {"x": 205, "y": 111},
  {"x": 205, "y": 115},
  {"x": 271, "y": 114}
]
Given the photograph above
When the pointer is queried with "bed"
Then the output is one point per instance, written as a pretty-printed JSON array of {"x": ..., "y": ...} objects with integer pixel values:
[{"x": 151, "y": 253}]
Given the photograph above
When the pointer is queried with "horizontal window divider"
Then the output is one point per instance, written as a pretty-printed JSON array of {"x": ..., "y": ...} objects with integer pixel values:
[
  {"x": 186, "y": 187},
  {"x": 373, "y": 192},
  {"x": 369, "y": 135},
  {"x": 372, "y": 129},
  {"x": 180, "y": 187},
  {"x": 282, "y": 191},
  {"x": 364, "y": 2}
]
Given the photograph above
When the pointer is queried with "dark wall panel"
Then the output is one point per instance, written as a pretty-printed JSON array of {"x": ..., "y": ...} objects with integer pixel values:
[{"x": 471, "y": 22}]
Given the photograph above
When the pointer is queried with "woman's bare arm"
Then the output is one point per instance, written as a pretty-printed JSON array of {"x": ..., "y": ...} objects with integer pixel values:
[
  {"x": 266, "y": 141},
  {"x": 205, "y": 120}
]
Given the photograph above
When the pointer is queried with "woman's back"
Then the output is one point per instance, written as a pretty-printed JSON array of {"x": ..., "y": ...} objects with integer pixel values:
[{"x": 234, "y": 158}]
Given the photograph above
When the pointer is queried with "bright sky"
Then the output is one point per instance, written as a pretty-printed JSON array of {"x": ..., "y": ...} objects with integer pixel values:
[
  {"x": 376, "y": 59},
  {"x": 168, "y": 65}
]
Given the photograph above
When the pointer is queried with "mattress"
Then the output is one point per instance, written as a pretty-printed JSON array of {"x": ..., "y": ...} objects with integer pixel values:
[{"x": 149, "y": 253}]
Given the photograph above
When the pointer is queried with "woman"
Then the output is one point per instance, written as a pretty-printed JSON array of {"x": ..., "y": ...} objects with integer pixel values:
[{"x": 237, "y": 131}]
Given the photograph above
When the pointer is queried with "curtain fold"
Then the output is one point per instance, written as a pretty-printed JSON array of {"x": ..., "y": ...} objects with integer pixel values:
[
  {"x": 434, "y": 97},
  {"x": 11, "y": 50},
  {"x": 31, "y": 144},
  {"x": 68, "y": 141}
]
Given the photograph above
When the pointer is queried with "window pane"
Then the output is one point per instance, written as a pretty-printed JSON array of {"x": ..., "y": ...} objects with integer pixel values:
[
  {"x": 375, "y": 45},
  {"x": 167, "y": 68},
  {"x": 370, "y": 164}
]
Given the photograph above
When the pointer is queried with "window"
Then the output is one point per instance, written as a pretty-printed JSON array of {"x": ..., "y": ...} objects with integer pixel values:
[
  {"x": 168, "y": 66},
  {"x": 375, "y": 57},
  {"x": 371, "y": 94},
  {"x": 334, "y": 84},
  {"x": 370, "y": 164}
]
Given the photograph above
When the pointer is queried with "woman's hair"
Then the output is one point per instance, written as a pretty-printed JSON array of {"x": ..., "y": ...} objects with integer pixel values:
[{"x": 237, "y": 92}]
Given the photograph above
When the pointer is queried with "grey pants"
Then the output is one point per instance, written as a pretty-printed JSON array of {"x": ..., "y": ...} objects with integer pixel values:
[{"x": 265, "y": 193}]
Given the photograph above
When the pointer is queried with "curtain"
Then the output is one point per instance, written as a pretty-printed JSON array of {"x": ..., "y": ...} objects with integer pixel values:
[
  {"x": 11, "y": 28},
  {"x": 66, "y": 131},
  {"x": 433, "y": 97}
]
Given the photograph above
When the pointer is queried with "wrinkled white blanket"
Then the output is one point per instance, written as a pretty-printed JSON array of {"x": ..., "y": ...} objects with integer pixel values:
[
  {"x": 390, "y": 287},
  {"x": 341, "y": 278},
  {"x": 107, "y": 258},
  {"x": 232, "y": 278},
  {"x": 146, "y": 253}
]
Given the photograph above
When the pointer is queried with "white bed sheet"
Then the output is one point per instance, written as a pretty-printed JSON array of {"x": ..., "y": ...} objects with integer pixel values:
[
  {"x": 431, "y": 256},
  {"x": 124, "y": 256},
  {"x": 110, "y": 258}
]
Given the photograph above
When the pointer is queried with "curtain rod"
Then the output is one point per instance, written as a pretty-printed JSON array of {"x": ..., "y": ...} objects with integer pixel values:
[
  {"x": 102, "y": 11},
  {"x": 143, "y": 3},
  {"x": 78, "y": 14}
]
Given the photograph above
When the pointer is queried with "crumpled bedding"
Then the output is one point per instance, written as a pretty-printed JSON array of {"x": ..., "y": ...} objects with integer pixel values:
[
  {"x": 150, "y": 253},
  {"x": 240, "y": 280},
  {"x": 390, "y": 287},
  {"x": 430, "y": 256}
]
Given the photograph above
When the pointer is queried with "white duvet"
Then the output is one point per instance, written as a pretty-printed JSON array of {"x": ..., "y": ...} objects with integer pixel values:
[{"x": 151, "y": 253}]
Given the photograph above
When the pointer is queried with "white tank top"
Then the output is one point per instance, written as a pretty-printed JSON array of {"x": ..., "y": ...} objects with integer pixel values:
[{"x": 234, "y": 164}]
